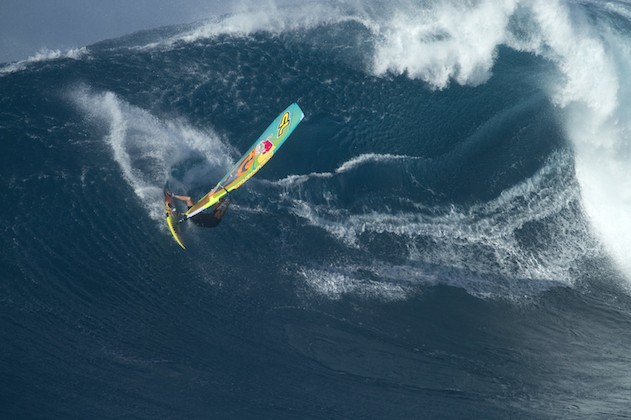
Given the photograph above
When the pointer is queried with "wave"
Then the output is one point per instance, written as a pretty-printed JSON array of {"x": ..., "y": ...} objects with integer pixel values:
[
  {"x": 462, "y": 245},
  {"x": 453, "y": 42},
  {"x": 439, "y": 43},
  {"x": 45, "y": 55}
]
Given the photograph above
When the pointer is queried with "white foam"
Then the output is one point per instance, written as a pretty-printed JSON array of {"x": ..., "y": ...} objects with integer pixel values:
[
  {"x": 267, "y": 16},
  {"x": 368, "y": 158},
  {"x": 294, "y": 180},
  {"x": 400, "y": 281},
  {"x": 45, "y": 55},
  {"x": 481, "y": 240},
  {"x": 478, "y": 241},
  {"x": 621, "y": 9},
  {"x": 335, "y": 283},
  {"x": 594, "y": 60},
  {"x": 445, "y": 41},
  {"x": 134, "y": 135}
]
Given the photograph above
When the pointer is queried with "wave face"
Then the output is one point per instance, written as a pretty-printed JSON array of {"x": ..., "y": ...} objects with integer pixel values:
[{"x": 446, "y": 233}]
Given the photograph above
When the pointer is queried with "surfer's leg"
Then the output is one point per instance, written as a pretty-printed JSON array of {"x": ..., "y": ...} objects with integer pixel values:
[
  {"x": 225, "y": 202},
  {"x": 222, "y": 207}
]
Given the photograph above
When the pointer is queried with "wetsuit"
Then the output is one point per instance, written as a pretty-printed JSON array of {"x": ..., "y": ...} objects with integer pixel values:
[{"x": 211, "y": 220}]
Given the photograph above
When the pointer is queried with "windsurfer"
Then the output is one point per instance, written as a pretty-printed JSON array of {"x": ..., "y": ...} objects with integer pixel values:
[{"x": 209, "y": 220}]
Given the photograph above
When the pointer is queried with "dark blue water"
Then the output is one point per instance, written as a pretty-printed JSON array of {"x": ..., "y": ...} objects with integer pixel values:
[{"x": 417, "y": 249}]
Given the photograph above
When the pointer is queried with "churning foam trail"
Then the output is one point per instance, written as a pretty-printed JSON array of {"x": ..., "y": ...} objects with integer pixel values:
[
  {"x": 146, "y": 148},
  {"x": 335, "y": 283},
  {"x": 475, "y": 242},
  {"x": 293, "y": 180}
]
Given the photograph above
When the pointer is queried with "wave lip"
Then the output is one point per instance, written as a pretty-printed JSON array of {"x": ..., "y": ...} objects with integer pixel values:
[
  {"x": 269, "y": 18},
  {"x": 445, "y": 42},
  {"x": 45, "y": 55}
]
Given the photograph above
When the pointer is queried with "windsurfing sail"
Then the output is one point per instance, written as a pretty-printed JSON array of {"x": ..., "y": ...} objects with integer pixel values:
[{"x": 254, "y": 159}]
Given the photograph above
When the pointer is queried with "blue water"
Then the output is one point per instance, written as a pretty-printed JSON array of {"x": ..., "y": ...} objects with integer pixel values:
[{"x": 428, "y": 243}]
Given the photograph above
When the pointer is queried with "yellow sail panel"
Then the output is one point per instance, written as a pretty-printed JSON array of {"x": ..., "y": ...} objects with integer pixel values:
[
  {"x": 205, "y": 202},
  {"x": 172, "y": 217}
]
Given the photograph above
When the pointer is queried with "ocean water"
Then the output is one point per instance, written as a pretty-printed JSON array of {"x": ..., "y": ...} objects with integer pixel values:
[{"x": 445, "y": 235}]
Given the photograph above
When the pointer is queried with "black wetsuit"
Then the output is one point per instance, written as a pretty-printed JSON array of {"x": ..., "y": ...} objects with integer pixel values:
[
  {"x": 206, "y": 220},
  {"x": 211, "y": 220}
]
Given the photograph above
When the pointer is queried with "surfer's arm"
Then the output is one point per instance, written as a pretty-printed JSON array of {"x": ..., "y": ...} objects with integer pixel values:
[{"x": 187, "y": 199}]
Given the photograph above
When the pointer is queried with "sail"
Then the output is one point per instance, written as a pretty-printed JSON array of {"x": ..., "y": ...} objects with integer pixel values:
[{"x": 254, "y": 159}]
